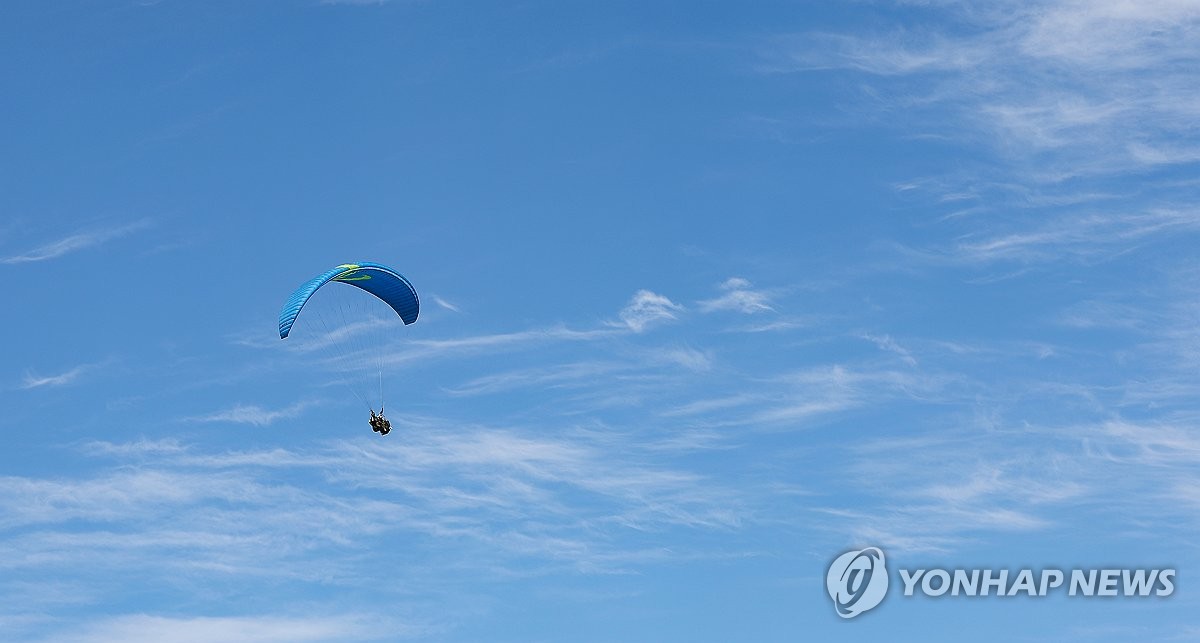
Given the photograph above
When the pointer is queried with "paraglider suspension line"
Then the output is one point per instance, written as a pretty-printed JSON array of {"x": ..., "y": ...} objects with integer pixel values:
[{"x": 338, "y": 361}]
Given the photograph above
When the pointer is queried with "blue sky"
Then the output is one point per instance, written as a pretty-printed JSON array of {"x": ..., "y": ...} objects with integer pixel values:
[{"x": 711, "y": 294}]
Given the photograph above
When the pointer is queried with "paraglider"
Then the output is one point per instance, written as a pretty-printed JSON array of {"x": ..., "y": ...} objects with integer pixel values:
[
  {"x": 384, "y": 283},
  {"x": 380, "y": 424}
]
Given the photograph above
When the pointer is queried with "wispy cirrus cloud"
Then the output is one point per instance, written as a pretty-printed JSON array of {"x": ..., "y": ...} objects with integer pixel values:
[
  {"x": 1076, "y": 236},
  {"x": 941, "y": 489},
  {"x": 1077, "y": 116},
  {"x": 253, "y": 414},
  {"x": 488, "y": 502},
  {"x": 968, "y": 493},
  {"x": 32, "y": 381},
  {"x": 416, "y": 349},
  {"x": 647, "y": 309},
  {"x": 886, "y": 343},
  {"x": 799, "y": 399},
  {"x": 142, "y": 447},
  {"x": 557, "y": 376},
  {"x": 687, "y": 357},
  {"x": 1102, "y": 86},
  {"x": 75, "y": 242},
  {"x": 446, "y": 304},
  {"x": 269, "y": 628},
  {"x": 738, "y": 296},
  {"x": 792, "y": 400}
]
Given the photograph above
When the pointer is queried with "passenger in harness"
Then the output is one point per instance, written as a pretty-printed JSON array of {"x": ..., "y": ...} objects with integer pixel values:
[{"x": 379, "y": 423}]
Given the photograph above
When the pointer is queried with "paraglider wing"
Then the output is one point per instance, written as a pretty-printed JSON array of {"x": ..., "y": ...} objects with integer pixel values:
[{"x": 377, "y": 279}]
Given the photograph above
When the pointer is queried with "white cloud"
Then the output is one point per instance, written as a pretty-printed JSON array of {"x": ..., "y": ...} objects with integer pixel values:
[
  {"x": 1106, "y": 314},
  {"x": 797, "y": 400},
  {"x": 547, "y": 377},
  {"x": 146, "y": 628},
  {"x": 485, "y": 501},
  {"x": 1076, "y": 236},
  {"x": 941, "y": 488},
  {"x": 886, "y": 343},
  {"x": 422, "y": 349},
  {"x": 1056, "y": 102},
  {"x": 140, "y": 447},
  {"x": 689, "y": 358},
  {"x": 1146, "y": 444},
  {"x": 74, "y": 243},
  {"x": 1101, "y": 83},
  {"x": 32, "y": 381},
  {"x": 253, "y": 414},
  {"x": 709, "y": 405},
  {"x": 739, "y": 297},
  {"x": 647, "y": 309},
  {"x": 445, "y": 304}
]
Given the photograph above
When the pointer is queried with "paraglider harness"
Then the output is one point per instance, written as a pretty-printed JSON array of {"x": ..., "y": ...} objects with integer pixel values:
[{"x": 380, "y": 424}]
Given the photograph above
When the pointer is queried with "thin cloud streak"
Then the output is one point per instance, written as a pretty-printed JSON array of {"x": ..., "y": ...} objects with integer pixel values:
[
  {"x": 419, "y": 349},
  {"x": 549, "y": 377},
  {"x": 647, "y": 309},
  {"x": 1080, "y": 236},
  {"x": 145, "y": 628},
  {"x": 253, "y": 414},
  {"x": 739, "y": 297},
  {"x": 74, "y": 243},
  {"x": 32, "y": 381},
  {"x": 445, "y": 304},
  {"x": 886, "y": 343}
]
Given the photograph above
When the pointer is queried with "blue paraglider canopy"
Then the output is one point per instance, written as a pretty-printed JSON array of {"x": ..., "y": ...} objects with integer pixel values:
[{"x": 377, "y": 279}]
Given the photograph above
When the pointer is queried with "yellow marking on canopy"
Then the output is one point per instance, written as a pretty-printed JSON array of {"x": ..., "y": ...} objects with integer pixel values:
[{"x": 349, "y": 275}]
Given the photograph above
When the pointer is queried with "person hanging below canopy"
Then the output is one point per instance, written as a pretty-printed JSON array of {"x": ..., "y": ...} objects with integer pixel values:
[{"x": 379, "y": 423}]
